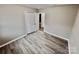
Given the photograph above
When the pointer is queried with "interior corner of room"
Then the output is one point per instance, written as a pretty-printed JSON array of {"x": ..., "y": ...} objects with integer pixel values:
[{"x": 60, "y": 21}]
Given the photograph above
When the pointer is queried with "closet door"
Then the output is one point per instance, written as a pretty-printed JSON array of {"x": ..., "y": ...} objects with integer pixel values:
[{"x": 30, "y": 23}]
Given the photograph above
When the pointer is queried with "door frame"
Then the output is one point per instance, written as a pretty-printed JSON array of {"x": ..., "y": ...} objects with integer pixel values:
[{"x": 42, "y": 20}]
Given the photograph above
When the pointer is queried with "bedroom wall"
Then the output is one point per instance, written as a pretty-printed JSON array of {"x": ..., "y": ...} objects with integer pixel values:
[
  {"x": 59, "y": 20},
  {"x": 74, "y": 41},
  {"x": 12, "y": 21}
]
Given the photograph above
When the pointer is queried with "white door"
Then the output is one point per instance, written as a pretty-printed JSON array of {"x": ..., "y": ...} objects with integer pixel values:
[
  {"x": 30, "y": 22},
  {"x": 37, "y": 20}
]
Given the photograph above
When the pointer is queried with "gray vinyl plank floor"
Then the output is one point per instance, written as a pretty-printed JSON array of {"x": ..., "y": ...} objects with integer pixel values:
[{"x": 37, "y": 43}]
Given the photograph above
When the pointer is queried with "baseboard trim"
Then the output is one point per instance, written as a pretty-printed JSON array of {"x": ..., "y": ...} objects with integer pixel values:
[
  {"x": 12, "y": 40},
  {"x": 60, "y": 38},
  {"x": 69, "y": 47},
  {"x": 56, "y": 36}
]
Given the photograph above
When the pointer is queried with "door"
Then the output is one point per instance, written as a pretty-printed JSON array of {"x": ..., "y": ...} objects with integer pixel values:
[
  {"x": 31, "y": 22},
  {"x": 37, "y": 21}
]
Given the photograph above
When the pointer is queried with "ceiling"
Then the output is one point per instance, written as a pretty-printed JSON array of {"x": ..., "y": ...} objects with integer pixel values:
[
  {"x": 39, "y": 6},
  {"x": 42, "y": 6}
]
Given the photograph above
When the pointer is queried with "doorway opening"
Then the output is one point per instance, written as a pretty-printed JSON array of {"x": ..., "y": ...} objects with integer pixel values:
[
  {"x": 41, "y": 21},
  {"x": 41, "y": 28}
]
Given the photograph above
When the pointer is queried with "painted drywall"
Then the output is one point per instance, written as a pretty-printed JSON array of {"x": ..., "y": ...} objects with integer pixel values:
[
  {"x": 74, "y": 41},
  {"x": 12, "y": 21},
  {"x": 59, "y": 20}
]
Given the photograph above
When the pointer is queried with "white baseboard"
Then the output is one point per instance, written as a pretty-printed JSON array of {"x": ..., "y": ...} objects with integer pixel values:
[
  {"x": 56, "y": 35},
  {"x": 69, "y": 47},
  {"x": 12, "y": 40},
  {"x": 60, "y": 38}
]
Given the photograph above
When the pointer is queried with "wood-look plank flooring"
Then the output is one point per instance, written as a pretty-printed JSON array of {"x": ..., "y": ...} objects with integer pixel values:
[{"x": 36, "y": 43}]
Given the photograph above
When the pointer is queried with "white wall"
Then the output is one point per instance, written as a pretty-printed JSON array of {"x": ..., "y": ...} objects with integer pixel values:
[
  {"x": 59, "y": 20},
  {"x": 12, "y": 20},
  {"x": 74, "y": 41}
]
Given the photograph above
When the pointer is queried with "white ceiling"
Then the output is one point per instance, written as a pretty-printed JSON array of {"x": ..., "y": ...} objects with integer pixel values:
[
  {"x": 39, "y": 6},
  {"x": 42, "y": 6}
]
